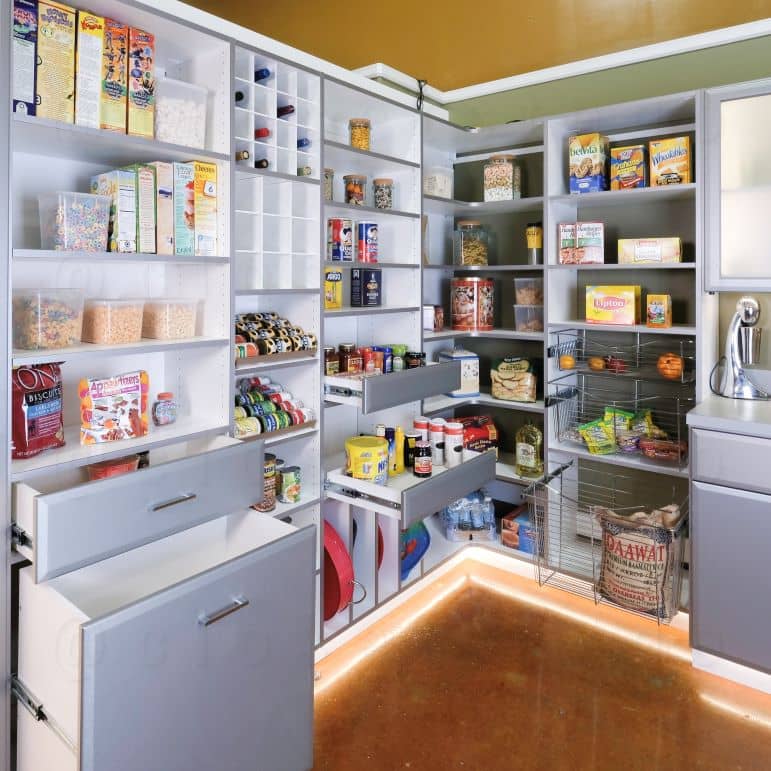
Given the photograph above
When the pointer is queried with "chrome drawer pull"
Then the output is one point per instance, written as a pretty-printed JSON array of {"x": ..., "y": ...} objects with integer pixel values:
[
  {"x": 174, "y": 501},
  {"x": 237, "y": 604}
]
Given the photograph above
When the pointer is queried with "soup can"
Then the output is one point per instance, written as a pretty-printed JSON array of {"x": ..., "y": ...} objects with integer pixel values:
[
  {"x": 291, "y": 484},
  {"x": 472, "y": 303},
  {"x": 367, "y": 239},
  {"x": 366, "y": 287},
  {"x": 268, "y": 502},
  {"x": 339, "y": 240}
]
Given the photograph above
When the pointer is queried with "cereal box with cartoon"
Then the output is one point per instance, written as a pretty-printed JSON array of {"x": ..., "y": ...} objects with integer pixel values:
[{"x": 141, "y": 83}]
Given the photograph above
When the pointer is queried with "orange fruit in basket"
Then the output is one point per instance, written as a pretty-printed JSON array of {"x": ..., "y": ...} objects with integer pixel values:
[
  {"x": 596, "y": 363},
  {"x": 567, "y": 361},
  {"x": 670, "y": 366}
]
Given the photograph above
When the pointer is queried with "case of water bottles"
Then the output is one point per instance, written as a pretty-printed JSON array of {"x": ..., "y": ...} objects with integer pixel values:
[{"x": 471, "y": 518}]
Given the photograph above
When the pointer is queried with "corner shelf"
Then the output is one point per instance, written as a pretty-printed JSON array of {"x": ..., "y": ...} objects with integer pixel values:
[
  {"x": 633, "y": 197},
  {"x": 368, "y": 162},
  {"x": 493, "y": 334},
  {"x": 675, "y": 329},
  {"x": 433, "y": 204},
  {"x": 347, "y": 209},
  {"x": 379, "y": 310},
  {"x": 435, "y": 404}
]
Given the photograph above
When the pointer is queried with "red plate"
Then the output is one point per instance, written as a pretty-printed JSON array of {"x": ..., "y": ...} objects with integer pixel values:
[
  {"x": 380, "y": 547},
  {"x": 338, "y": 573}
]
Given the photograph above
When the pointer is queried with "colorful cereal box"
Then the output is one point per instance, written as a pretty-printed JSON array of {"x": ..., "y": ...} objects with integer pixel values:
[
  {"x": 633, "y": 251},
  {"x": 121, "y": 186},
  {"x": 141, "y": 83},
  {"x": 184, "y": 209},
  {"x": 670, "y": 161},
  {"x": 164, "y": 207},
  {"x": 88, "y": 68},
  {"x": 24, "y": 55},
  {"x": 55, "y": 87},
  {"x": 205, "y": 208},
  {"x": 333, "y": 289},
  {"x": 145, "y": 206},
  {"x": 628, "y": 168},
  {"x": 613, "y": 305},
  {"x": 588, "y": 157},
  {"x": 590, "y": 243},
  {"x": 566, "y": 238},
  {"x": 659, "y": 311},
  {"x": 112, "y": 113}
]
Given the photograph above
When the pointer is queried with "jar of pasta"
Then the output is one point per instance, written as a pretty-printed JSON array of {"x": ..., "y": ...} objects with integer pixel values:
[
  {"x": 502, "y": 178},
  {"x": 360, "y": 132},
  {"x": 470, "y": 242}
]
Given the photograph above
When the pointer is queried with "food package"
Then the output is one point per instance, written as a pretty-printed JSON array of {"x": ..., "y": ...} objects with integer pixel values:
[
  {"x": 479, "y": 434},
  {"x": 205, "y": 202},
  {"x": 433, "y": 318},
  {"x": 24, "y": 47},
  {"x": 469, "y": 371},
  {"x": 55, "y": 87},
  {"x": 628, "y": 167},
  {"x": 164, "y": 207},
  {"x": 144, "y": 184},
  {"x": 588, "y": 155},
  {"x": 632, "y": 251},
  {"x": 659, "y": 311},
  {"x": 518, "y": 531},
  {"x": 121, "y": 186},
  {"x": 613, "y": 305},
  {"x": 141, "y": 83},
  {"x": 566, "y": 239},
  {"x": 590, "y": 243},
  {"x": 184, "y": 209},
  {"x": 599, "y": 436},
  {"x": 113, "y": 408},
  {"x": 36, "y": 408},
  {"x": 88, "y": 67},
  {"x": 112, "y": 112},
  {"x": 670, "y": 161},
  {"x": 333, "y": 289},
  {"x": 514, "y": 379}
]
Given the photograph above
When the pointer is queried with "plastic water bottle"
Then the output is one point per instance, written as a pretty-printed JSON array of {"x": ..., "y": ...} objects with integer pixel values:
[
  {"x": 477, "y": 515},
  {"x": 489, "y": 512}
]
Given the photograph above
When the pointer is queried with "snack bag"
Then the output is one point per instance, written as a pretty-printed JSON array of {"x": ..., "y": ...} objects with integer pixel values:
[
  {"x": 36, "y": 406},
  {"x": 514, "y": 379},
  {"x": 618, "y": 419},
  {"x": 114, "y": 408},
  {"x": 598, "y": 436}
]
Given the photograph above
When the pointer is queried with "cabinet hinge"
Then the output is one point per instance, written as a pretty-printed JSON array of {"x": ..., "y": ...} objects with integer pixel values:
[
  {"x": 20, "y": 537},
  {"x": 35, "y": 708}
]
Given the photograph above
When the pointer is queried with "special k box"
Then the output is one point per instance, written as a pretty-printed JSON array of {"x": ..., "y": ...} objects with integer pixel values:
[{"x": 613, "y": 305}]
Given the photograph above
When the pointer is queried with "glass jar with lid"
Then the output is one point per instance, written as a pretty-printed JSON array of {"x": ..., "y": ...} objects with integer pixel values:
[
  {"x": 502, "y": 178},
  {"x": 359, "y": 132},
  {"x": 355, "y": 187},
  {"x": 470, "y": 243},
  {"x": 329, "y": 179},
  {"x": 383, "y": 193}
]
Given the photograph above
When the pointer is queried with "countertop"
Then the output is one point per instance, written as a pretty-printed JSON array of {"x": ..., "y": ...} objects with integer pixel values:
[{"x": 736, "y": 416}]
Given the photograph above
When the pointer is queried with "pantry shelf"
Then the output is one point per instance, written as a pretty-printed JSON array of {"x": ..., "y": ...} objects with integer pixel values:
[
  {"x": 250, "y": 366},
  {"x": 367, "y": 162},
  {"x": 502, "y": 334},
  {"x": 433, "y": 204},
  {"x": 638, "y": 266},
  {"x": 340, "y": 265},
  {"x": 94, "y": 258},
  {"x": 346, "y": 209},
  {"x": 505, "y": 470},
  {"x": 272, "y": 438},
  {"x": 247, "y": 171},
  {"x": 281, "y": 291},
  {"x": 632, "y": 197},
  {"x": 441, "y": 403},
  {"x": 286, "y": 509},
  {"x": 484, "y": 268},
  {"x": 379, "y": 310},
  {"x": 675, "y": 329}
]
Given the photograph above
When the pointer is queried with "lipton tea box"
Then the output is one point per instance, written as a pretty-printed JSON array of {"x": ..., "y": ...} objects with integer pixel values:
[{"x": 613, "y": 305}]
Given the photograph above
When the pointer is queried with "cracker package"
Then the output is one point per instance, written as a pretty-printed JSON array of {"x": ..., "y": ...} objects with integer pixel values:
[
  {"x": 205, "y": 204},
  {"x": 112, "y": 107},
  {"x": 144, "y": 184},
  {"x": 141, "y": 83},
  {"x": 121, "y": 186},
  {"x": 164, "y": 207},
  {"x": 88, "y": 67},
  {"x": 24, "y": 55},
  {"x": 613, "y": 305},
  {"x": 36, "y": 409},
  {"x": 55, "y": 88},
  {"x": 114, "y": 408},
  {"x": 632, "y": 251},
  {"x": 588, "y": 157},
  {"x": 566, "y": 235},
  {"x": 628, "y": 167},
  {"x": 670, "y": 161},
  {"x": 479, "y": 433},
  {"x": 514, "y": 379},
  {"x": 590, "y": 243}
]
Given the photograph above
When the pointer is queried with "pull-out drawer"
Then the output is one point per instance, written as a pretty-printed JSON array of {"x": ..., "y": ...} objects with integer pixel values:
[
  {"x": 69, "y": 523},
  {"x": 736, "y": 461},
  {"x": 194, "y": 652}
]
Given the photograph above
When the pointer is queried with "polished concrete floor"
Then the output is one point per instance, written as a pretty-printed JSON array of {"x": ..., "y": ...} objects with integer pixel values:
[{"x": 488, "y": 679}]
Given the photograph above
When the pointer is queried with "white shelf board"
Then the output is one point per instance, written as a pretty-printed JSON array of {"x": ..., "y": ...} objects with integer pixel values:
[
  {"x": 337, "y": 154},
  {"x": 433, "y": 204},
  {"x": 381, "y": 309},
  {"x": 443, "y": 402},
  {"x": 94, "y": 258},
  {"x": 675, "y": 329},
  {"x": 632, "y": 197},
  {"x": 256, "y": 292},
  {"x": 347, "y": 209},
  {"x": 673, "y": 130},
  {"x": 619, "y": 459},
  {"x": 245, "y": 367},
  {"x": 494, "y": 334},
  {"x": 523, "y": 135},
  {"x": 505, "y": 470},
  {"x": 484, "y": 268},
  {"x": 638, "y": 266},
  {"x": 272, "y": 438},
  {"x": 243, "y": 170},
  {"x": 285, "y": 509},
  {"x": 347, "y": 265}
]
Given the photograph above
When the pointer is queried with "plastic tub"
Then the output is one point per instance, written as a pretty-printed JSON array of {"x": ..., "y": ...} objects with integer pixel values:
[
  {"x": 180, "y": 113},
  {"x": 438, "y": 181},
  {"x": 528, "y": 291},
  {"x": 113, "y": 468},
  {"x": 169, "y": 318},
  {"x": 528, "y": 318},
  {"x": 74, "y": 222},
  {"x": 112, "y": 321},
  {"x": 47, "y": 318}
]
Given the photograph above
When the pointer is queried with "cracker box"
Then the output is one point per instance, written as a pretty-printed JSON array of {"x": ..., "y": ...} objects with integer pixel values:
[
  {"x": 141, "y": 83},
  {"x": 333, "y": 289},
  {"x": 670, "y": 161},
  {"x": 613, "y": 305},
  {"x": 469, "y": 371},
  {"x": 55, "y": 87},
  {"x": 112, "y": 107},
  {"x": 659, "y": 311},
  {"x": 633, "y": 251},
  {"x": 517, "y": 530},
  {"x": 479, "y": 435},
  {"x": 628, "y": 167},
  {"x": 566, "y": 238},
  {"x": 433, "y": 318},
  {"x": 164, "y": 207},
  {"x": 144, "y": 175},
  {"x": 588, "y": 157},
  {"x": 205, "y": 203},
  {"x": 184, "y": 209},
  {"x": 24, "y": 55},
  {"x": 88, "y": 68},
  {"x": 121, "y": 186},
  {"x": 590, "y": 243}
]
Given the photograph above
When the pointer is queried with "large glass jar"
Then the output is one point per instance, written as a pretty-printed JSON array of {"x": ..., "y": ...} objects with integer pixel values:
[
  {"x": 360, "y": 133},
  {"x": 502, "y": 178},
  {"x": 355, "y": 187},
  {"x": 383, "y": 193},
  {"x": 329, "y": 178},
  {"x": 470, "y": 243}
]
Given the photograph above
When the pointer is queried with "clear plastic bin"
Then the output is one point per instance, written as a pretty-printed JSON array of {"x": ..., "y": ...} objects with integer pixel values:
[
  {"x": 438, "y": 181},
  {"x": 74, "y": 222},
  {"x": 528, "y": 291},
  {"x": 180, "y": 113},
  {"x": 528, "y": 318},
  {"x": 112, "y": 321},
  {"x": 44, "y": 319},
  {"x": 169, "y": 318}
]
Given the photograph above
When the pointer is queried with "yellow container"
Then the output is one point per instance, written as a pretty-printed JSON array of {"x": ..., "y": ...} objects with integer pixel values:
[
  {"x": 367, "y": 458},
  {"x": 659, "y": 311},
  {"x": 333, "y": 289},
  {"x": 205, "y": 203},
  {"x": 613, "y": 305}
]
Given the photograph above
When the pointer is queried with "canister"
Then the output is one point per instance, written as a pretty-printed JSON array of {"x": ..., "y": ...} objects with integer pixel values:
[
  {"x": 367, "y": 237},
  {"x": 340, "y": 240},
  {"x": 472, "y": 303},
  {"x": 436, "y": 438},
  {"x": 453, "y": 444},
  {"x": 268, "y": 502},
  {"x": 534, "y": 237},
  {"x": 367, "y": 458},
  {"x": 366, "y": 287},
  {"x": 469, "y": 371},
  {"x": 291, "y": 484},
  {"x": 420, "y": 424}
]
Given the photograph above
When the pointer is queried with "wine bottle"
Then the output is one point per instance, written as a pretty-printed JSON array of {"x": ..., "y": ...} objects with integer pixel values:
[
  {"x": 287, "y": 109},
  {"x": 242, "y": 155},
  {"x": 261, "y": 163}
]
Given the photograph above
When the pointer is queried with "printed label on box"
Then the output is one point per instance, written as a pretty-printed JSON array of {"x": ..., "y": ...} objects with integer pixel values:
[
  {"x": 145, "y": 203},
  {"x": 164, "y": 207},
  {"x": 141, "y": 83},
  {"x": 120, "y": 185},
  {"x": 55, "y": 94},
  {"x": 205, "y": 208},
  {"x": 88, "y": 68},
  {"x": 112, "y": 113},
  {"x": 184, "y": 209},
  {"x": 24, "y": 55}
]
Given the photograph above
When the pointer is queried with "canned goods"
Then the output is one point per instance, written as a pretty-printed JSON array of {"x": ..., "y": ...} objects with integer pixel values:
[
  {"x": 340, "y": 240},
  {"x": 388, "y": 358},
  {"x": 436, "y": 438},
  {"x": 367, "y": 237},
  {"x": 268, "y": 422},
  {"x": 291, "y": 484},
  {"x": 296, "y": 417},
  {"x": 268, "y": 502},
  {"x": 472, "y": 303},
  {"x": 422, "y": 467},
  {"x": 453, "y": 444},
  {"x": 366, "y": 287}
]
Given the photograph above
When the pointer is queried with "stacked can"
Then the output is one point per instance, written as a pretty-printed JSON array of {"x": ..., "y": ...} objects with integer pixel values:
[
  {"x": 340, "y": 240},
  {"x": 268, "y": 502},
  {"x": 262, "y": 406},
  {"x": 367, "y": 237}
]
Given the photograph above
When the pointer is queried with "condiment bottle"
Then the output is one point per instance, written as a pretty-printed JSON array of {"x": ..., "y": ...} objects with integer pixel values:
[
  {"x": 399, "y": 450},
  {"x": 165, "y": 409},
  {"x": 331, "y": 361},
  {"x": 423, "y": 467}
]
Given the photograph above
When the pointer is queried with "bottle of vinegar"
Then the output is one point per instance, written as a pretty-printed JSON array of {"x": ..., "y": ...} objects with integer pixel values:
[{"x": 529, "y": 451}]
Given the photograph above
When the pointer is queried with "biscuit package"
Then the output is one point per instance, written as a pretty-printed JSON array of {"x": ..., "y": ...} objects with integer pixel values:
[
  {"x": 514, "y": 379},
  {"x": 588, "y": 156},
  {"x": 36, "y": 407},
  {"x": 628, "y": 168},
  {"x": 632, "y": 251},
  {"x": 670, "y": 161},
  {"x": 113, "y": 408}
]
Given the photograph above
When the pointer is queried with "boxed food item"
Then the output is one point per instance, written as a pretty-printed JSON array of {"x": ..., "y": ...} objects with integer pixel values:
[
  {"x": 528, "y": 318},
  {"x": 566, "y": 240},
  {"x": 659, "y": 311},
  {"x": 640, "y": 250},
  {"x": 76, "y": 222},
  {"x": 528, "y": 291},
  {"x": 205, "y": 207},
  {"x": 613, "y": 305},
  {"x": 366, "y": 287},
  {"x": 113, "y": 467},
  {"x": 24, "y": 48},
  {"x": 670, "y": 161},
  {"x": 36, "y": 409},
  {"x": 164, "y": 207},
  {"x": 88, "y": 68},
  {"x": 588, "y": 156},
  {"x": 141, "y": 83},
  {"x": 514, "y": 379},
  {"x": 518, "y": 532},
  {"x": 112, "y": 321},
  {"x": 479, "y": 434},
  {"x": 169, "y": 318},
  {"x": 184, "y": 209},
  {"x": 469, "y": 371},
  {"x": 47, "y": 318},
  {"x": 333, "y": 289},
  {"x": 144, "y": 184},
  {"x": 113, "y": 408},
  {"x": 180, "y": 113},
  {"x": 55, "y": 87},
  {"x": 433, "y": 318},
  {"x": 112, "y": 113},
  {"x": 628, "y": 167},
  {"x": 590, "y": 243},
  {"x": 120, "y": 186}
]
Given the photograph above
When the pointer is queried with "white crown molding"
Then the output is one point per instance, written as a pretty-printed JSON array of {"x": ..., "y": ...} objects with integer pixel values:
[{"x": 673, "y": 47}]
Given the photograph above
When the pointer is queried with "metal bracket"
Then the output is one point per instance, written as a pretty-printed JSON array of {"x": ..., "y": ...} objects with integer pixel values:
[
  {"x": 20, "y": 537},
  {"x": 35, "y": 708},
  {"x": 350, "y": 493}
]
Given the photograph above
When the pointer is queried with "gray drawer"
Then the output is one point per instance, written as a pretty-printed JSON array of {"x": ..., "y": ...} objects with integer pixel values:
[{"x": 743, "y": 462}]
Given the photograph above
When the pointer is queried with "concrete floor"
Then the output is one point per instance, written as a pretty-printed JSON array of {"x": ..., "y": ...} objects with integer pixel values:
[{"x": 489, "y": 679}]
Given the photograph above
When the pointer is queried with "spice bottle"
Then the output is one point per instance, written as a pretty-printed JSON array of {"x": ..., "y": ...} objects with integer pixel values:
[
  {"x": 165, "y": 409},
  {"x": 436, "y": 437},
  {"x": 422, "y": 467},
  {"x": 331, "y": 361},
  {"x": 453, "y": 444},
  {"x": 355, "y": 185},
  {"x": 346, "y": 349}
]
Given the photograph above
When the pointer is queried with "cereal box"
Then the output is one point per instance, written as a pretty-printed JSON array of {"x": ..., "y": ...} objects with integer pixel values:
[
  {"x": 24, "y": 55},
  {"x": 141, "y": 83},
  {"x": 88, "y": 68},
  {"x": 670, "y": 161},
  {"x": 112, "y": 112},
  {"x": 613, "y": 305},
  {"x": 628, "y": 168},
  {"x": 659, "y": 311},
  {"x": 184, "y": 209},
  {"x": 55, "y": 88},
  {"x": 632, "y": 251},
  {"x": 121, "y": 186},
  {"x": 566, "y": 238},
  {"x": 588, "y": 157},
  {"x": 113, "y": 408},
  {"x": 205, "y": 206},
  {"x": 164, "y": 207},
  {"x": 590, "y": 243},
  {"x": 145, "y": 206},
  {"x": 333, "y": 289}
]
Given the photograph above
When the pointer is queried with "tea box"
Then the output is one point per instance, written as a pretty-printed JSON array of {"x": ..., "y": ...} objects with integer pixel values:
[
  {"x": 205, "y": 207},
  {"x": 164, "y": 207},
  {"x": 566, "y": 240},
  {"x": 670, "y": 161},
  {"x": 613, "y": 305},
  {"x": 88, "y": 66},
  {"x": 24, "y": 55},
  {"x": 628, "y": 168},
  {"x": 121, "y": 186},
  {"x": 588, "y": 158},
  {"x": 590, "y": 243},
  {"x": 141, "y": 83},
  {"x": 55, "y": 88},
  {"x": 632, "y": 251},
  {"x": 112, "y": 108},
  {"x": 184, "y": 209},
  {"x": 659, "y": 311}
]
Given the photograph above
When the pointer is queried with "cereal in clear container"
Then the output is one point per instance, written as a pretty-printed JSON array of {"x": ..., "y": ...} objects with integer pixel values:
[
  {"x": 169, "y": 318},
  {"x": 111, "y": 322},
  {"x": 45, "y": 319}
]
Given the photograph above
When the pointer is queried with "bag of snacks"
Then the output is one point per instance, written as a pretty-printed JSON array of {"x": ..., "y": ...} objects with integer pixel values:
[
  {"x": 113, "y": 408},
  {"x": 479, "y": 433},
  {"x": 36, "y": 407},
  {"x": 514, "y": 378},
  {"x": 599, "y": 437}
]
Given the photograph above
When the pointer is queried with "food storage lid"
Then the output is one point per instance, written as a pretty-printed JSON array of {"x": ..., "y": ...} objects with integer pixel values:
[
  {"x": 338, "y": 573},
  {"x": 329, "y": 171},
  {"x": 355, "y": 176},
  {"x": 503, "y": 158},
  {"x": 382, "y": 181},
  {"x": 534, "y": 225},
  {"x": 113, "y": 301},
  {"x": 359, "y": 122},
  {"x": 453, "y": 428},
  {"x": 469, "y": 224},
  {"x": 165, "y": 396},
  {"x": 171, "y": 301},
  {"x": 329, "y": 349},
  {"x": 347, "y": 347}
]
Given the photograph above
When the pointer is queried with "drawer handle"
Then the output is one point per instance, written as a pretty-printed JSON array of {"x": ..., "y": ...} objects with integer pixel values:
[
  {"x": 218, "y": 615},
  {"x": 174, "y": 501}
]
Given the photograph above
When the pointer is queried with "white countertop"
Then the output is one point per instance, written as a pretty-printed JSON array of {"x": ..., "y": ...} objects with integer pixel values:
[{"x": 736, "y": 416}]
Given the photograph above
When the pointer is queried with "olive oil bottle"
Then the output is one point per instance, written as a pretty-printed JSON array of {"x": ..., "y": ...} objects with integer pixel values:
[{"x": 529, "y": 451}]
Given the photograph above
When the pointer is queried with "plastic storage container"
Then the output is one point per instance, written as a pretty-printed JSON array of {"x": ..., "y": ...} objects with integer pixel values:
[
  {"x": 438, "y": 181},
  {"x": 528, "y": 291},
  {"x": 44, "y": 319},
  {"x": 329, "y": 179},
  {"x": 355, "y": 187},
  {"x": 74, "y": 222},
  {"x": 112, "y": 321},
  {"x": 502, "y": 178},
  {"x": 528, "y": 318},
  {"x": 169, "y": 318},
  {"x": 180, "y": 113},
  {"x": 470, "y": 243}
]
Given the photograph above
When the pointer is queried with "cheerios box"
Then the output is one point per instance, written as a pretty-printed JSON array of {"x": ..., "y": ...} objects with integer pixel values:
[
  {"x": 588, "y": 157},
  {"x": 613, "y": 305},
  {"x": 205, "y": 186}
]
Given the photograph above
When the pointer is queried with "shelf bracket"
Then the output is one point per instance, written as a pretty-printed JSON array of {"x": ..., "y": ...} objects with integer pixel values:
[
  {"x": 34, "y": 706},
  {"x": 20, "y": 537}
]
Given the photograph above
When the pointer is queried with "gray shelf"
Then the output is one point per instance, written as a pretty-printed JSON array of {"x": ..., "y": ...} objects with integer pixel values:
[
  {"x": 433, "y": 204},
  {"x": 368, "y": 158},
  {"x": 640, "y": 266},
  {"x": 94, "y": 258},
  {"x": 382, "y": 309},
  {"x": 633, "y": 197},
  {"x": 347, "y": 265},
  {"x": 494, "y": 334},
  {"x": 349, "y": 208},
  {"x": 485, "y": 268}
]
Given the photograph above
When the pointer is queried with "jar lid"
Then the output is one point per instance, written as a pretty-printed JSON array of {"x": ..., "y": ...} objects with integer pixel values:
[
  {"x": 355, "y": 176},
  {"x": 329, "y": 349},
  {"x": 503, "y": 157},
  {"x": 534, "y": 224},
  {"x": 347, "y": 347},
  {"x": 329, "y": 171},
  {"x": 382, "y": 181},
  {"x": 358, "y": 122},
  {"x": 469, "y": 224},
  {"x": 165, "y": 395}
]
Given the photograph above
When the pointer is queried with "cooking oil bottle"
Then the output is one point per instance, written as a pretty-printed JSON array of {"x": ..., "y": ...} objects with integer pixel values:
[{"x": 529, "y": 451}]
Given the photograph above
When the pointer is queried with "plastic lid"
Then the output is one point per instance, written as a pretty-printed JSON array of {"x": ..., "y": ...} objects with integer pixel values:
[
  {"x": 382, "y": 181},
  {"x": 165, "y": 396},
  {"x": 358, "y": 122},
  {"x": 329, "y": 171},
  {"x": 503, "y": 157},
  {"x": 355, "y": 176},
  {"x": 534, "y": 224},
  {"x": 469, "y": 224}
]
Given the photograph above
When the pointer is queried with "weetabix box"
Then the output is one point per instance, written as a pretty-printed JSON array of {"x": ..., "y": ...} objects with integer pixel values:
[
  {"x": 88, "y": 68},
  {"x": 613, "y": 305},
  {"x": 141, "y": 83},
  {"x": 205, "y": 208},
  {"x": 24, "y": 55},
  {"x": 145, "y": 205},
  {"x": 112, "y": 112},
  {"x": 164, "y": 207},
  {"x": 120, "y": 185},
  {"x": 184, "y": 209},
  {"x": 55, "y": 87}
]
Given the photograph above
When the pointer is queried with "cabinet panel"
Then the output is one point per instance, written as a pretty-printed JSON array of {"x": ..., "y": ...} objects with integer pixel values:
[{"x": 731, "y": 460}]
